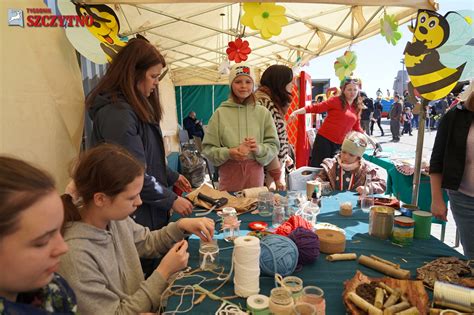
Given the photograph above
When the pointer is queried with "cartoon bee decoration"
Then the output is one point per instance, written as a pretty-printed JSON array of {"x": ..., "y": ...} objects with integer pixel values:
[
  {"x": 441, "y": 52},
  {"x": 105, "y": 28}
]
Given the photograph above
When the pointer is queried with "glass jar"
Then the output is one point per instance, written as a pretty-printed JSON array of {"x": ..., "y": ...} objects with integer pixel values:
[
  {"x": 278, "y": 216},
  {"x": 295, "y": 200},
  {"x": 265, "y": 204},
  {"x": 314, "y": 296},
  {"x": 230, "y": 224},
  {"x": 281, "y": 301},
  {"x": 208, "y": 255},
  {"x": 302, "y": 308},
  {"x": 295, "y": 285}
]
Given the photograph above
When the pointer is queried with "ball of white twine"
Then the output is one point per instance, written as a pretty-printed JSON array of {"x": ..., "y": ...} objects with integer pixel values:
[{"x": 246, "y": 258}]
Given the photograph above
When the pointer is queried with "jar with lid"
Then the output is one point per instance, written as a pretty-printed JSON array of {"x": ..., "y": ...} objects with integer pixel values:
[{"x": 230, "y": 224}]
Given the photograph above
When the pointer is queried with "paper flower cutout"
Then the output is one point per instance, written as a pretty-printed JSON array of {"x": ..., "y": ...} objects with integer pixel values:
[
  {"x": 266, "y": 17},
  {"x": 389, "y": 29},
  {"x": 238, "y": 50},
  {"x": 345, "y": 65}
]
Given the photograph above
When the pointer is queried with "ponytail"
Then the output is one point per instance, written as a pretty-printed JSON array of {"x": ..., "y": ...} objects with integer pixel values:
[{"x": 71, "y": 212}]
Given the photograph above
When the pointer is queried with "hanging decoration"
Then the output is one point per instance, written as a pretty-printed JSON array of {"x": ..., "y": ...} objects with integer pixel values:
[
  {"x": 439, "y": 54},
  {"x": 238, "y": 50},
  {"x": 389, "y": 29},
  {"x": 266, "y": 17},
  {"x": 345, "y": 65}
]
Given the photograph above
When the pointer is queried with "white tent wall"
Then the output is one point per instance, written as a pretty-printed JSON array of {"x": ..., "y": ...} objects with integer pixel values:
[
  {"x": 169, "y": 124},
  {"x": 41, "y": 95}
]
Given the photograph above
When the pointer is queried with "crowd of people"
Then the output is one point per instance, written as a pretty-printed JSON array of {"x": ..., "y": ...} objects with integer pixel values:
[{"x": 106, "y": 246}]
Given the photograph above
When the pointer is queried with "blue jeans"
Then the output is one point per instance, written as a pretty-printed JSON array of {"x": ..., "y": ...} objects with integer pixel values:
[
  {"x": 462, "y": 207},
  {"x": 414, "y": 121}
]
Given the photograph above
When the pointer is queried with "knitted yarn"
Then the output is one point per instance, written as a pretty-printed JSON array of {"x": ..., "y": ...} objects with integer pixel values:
[
  {"x": 278, "y": 254},
  {"x": 308, "y": 246}
]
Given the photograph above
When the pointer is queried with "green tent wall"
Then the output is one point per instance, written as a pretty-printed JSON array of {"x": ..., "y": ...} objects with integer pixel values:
[{"x": 202, "y": 99}]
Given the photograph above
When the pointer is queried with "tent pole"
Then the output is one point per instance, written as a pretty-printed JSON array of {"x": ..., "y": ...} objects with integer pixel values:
[{"x": 419, "y": 152}]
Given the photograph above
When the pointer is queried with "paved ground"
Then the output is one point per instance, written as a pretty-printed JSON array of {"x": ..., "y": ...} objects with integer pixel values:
[{"x": 406, "y": 146}]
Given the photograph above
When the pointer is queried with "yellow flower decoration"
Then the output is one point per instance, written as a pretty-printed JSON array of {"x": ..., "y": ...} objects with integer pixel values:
[{"x": 266, "y": 17}]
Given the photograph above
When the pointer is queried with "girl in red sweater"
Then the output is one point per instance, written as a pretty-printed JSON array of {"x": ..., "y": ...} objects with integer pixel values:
[{"x": 343, "y": 115}]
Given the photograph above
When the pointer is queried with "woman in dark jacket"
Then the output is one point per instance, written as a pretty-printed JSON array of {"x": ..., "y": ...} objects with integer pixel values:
[
  {"x": 126, "y": 110},
  {"x": 452, "y": 168}
]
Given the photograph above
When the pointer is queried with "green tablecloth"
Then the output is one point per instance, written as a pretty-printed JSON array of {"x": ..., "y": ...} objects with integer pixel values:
[
  {"x": 329, "y": 276},
  {"x": 401, "y": 186}
]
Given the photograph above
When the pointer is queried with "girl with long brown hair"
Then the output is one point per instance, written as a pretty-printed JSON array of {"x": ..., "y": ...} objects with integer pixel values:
[
  {"x": 125, "y": 109},
  {"x": 105, "y": 244}
]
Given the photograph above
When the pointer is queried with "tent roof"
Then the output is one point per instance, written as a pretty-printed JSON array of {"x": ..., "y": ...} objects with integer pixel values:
[{"x": 193, "y": 36}]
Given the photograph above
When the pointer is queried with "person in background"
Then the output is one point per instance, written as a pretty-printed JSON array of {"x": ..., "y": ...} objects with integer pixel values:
[
  {"x": 193, "y": 126},
  {"x": 395, "y": 118},
  {"x": 377, "y": 116},
  {"x": 452, "y": 168},
  {"x": 103, "y": 265},
  {"x": 241, "y": 137},
  {"x": 367, "y": 112},
  {"x": 125, "y": 109},
  {"x": 274, "y": 93},
  {"x": 347, "y": 170},
  {"x": 416, "y": 114},
  {"x": 31, "y": 244},
  {"x": 407, "y": 118},
  {"x": 343, "y": 116}
]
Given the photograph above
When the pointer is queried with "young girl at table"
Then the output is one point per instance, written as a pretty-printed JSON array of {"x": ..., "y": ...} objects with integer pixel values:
[
  {"x": 31, "y": 215},
  {"x": 241, "y": 137},
  {"x": 347, "y": 170},
  {"x": 105, "y": 244}
]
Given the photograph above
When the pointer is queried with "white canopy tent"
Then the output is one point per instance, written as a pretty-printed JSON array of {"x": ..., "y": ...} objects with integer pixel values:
[
  {"x": 42, "y": 113},
  {"x": 193, "y": 35}
]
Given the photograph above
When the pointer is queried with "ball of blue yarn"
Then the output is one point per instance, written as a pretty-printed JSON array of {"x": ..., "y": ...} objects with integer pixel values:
[{"x": 278, "y": 254}]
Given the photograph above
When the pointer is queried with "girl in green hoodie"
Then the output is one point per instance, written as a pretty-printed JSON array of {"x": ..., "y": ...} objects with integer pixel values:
[{"x": 241, "y": 137}]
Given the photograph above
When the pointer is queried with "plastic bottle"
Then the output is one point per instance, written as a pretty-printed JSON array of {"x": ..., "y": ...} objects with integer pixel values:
[{"x": 367, "y": 197}]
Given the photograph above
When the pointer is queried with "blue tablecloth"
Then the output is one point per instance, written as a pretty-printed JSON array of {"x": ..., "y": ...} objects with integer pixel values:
[{"x": 329, "y": 276}]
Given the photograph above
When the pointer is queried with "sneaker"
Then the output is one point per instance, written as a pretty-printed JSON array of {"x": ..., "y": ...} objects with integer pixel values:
[{"x": 411, "y": 134}]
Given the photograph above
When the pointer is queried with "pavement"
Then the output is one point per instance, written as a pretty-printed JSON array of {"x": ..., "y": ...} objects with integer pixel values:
[{"x": 407, "y": 147}]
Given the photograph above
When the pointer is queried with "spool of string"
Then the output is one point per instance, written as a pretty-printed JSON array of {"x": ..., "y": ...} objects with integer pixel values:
[
  {"x": 246, "y": 265},
  {"x": 279, "y": 254},
  {"x": 253, "y": 192},
  {"x": 307, "y": 243}
]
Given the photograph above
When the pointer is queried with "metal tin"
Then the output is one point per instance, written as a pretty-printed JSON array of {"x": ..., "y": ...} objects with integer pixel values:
[
  {"x": 403, "y": 229},
  {"x": 381, "y": 221},
  {"x": 407, "y": 209}
]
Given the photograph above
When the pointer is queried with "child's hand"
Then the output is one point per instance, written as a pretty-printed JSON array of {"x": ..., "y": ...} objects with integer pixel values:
[
  {"x": 280, "y": 186},
  {"x": 175, "y": 260},
  {"x": 251, "y": 143},
  {"x": 201, "y": 227},
  {"x": 361, "y": 190},
  {"x": 236, "y": 154}
]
